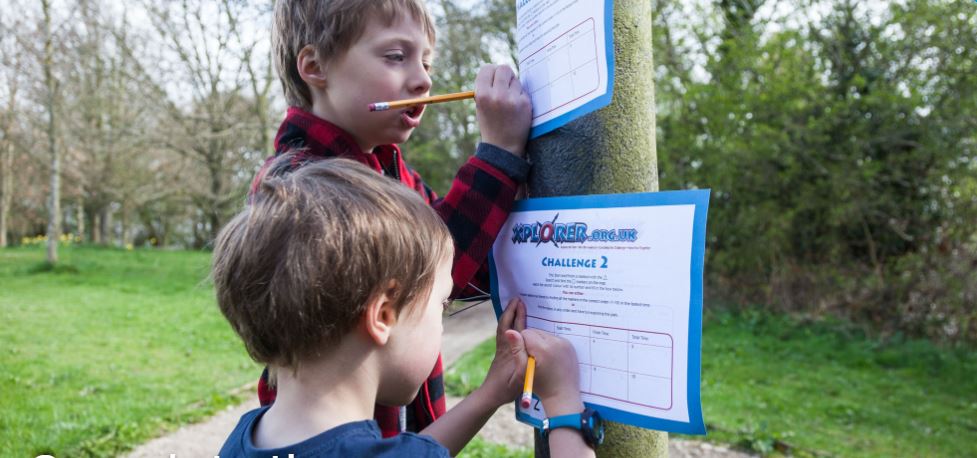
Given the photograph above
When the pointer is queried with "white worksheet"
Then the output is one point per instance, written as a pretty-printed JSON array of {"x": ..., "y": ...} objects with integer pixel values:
[
  {"x": 566, "y": 58},
  {"x": 620, "y": 277}
]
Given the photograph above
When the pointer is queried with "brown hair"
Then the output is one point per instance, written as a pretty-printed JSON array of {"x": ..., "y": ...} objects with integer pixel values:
[
  {"x": 331, "y": 27},
  {"x": 294, "y": 271}
]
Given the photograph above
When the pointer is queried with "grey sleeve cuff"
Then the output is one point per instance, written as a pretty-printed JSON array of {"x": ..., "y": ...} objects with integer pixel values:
[{"x": 513, "y": 166}]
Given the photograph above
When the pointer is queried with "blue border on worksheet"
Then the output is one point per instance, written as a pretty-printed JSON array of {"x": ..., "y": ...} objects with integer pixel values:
[
  {"x": 599, "y": 102},
  {"x": 699, "y": 198}
]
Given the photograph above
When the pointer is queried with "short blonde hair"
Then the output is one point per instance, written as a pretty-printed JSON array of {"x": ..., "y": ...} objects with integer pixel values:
[
  {"x": 331, "y": 27},
  {"x": 295, "y": 270}
]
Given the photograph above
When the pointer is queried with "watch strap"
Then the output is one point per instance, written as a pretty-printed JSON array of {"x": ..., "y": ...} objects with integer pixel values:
[
  {"x": 573, "y": 420},
  {"x": 584, "y": 422}
]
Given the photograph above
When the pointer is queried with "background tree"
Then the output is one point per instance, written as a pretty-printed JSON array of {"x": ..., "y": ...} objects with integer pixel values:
[
  {"x": 256, "y": 59},
  {"x": 836, "y": 170},
  {"x": 100, "y": 122},
  {"x": 6, "y": 167},
  {"x": 213, "y": 127},
  {"x": 7, "y": 128},
  {"x": 51, "y": 105}
]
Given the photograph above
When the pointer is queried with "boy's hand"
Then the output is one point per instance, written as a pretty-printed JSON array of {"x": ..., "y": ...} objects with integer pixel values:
[
  {"x": 557, "y": 380},
  {"x": 503, "y": 109},
  {"x": 505, "y": 376}
]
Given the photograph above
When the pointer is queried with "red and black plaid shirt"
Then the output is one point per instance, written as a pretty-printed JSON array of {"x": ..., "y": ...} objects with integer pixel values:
[{"x": 474, "y": 210}]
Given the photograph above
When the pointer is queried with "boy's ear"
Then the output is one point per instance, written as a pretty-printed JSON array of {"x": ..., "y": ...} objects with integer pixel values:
[
  {"x": 379, "y": 319},
  {"x": 311, "y": 68}
]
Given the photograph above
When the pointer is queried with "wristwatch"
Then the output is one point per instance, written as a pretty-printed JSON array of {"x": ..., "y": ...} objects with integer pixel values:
[{"x": 588, "y": 422}]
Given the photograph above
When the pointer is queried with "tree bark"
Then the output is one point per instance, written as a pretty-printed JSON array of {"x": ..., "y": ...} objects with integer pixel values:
[
  {"x": 216, "y": 206},
  {"x": 80, "y": 215},
  {"x": 6, "y": 188},
  {"x": 96, "y": 228},
  {"x": 104, "y": 225},
  {"x": 124, "y": 239},
  {"x": 54, "y": 203},
  {"x": 611, "y": 151},
  {"x": 7, "y": 164}
]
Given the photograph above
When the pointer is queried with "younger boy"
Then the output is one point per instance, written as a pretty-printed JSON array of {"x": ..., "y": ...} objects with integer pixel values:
[
  {"x": 334, "y": 58},
  {"x": 337, "y": 278}
]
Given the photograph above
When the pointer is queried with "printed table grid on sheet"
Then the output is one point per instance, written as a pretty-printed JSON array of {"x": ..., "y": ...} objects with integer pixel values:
[
  {"x": 607, "y": 356},
  {"x": 567, "y": 66}
]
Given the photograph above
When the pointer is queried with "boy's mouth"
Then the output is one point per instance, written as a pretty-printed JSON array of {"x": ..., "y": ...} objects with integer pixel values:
[{"x": 411, "y": 117}]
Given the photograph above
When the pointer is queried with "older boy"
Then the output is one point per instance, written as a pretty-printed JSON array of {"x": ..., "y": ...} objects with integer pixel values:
[
  {"x": 334, "y": 58},
  {"x": 356, "y": 269}
]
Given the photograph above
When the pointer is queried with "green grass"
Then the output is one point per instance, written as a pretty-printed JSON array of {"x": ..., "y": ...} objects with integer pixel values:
[
  {"x": 468, "y": 372},
  {"x": 109, "y": 348},
  {"x": 775, "y": 385},
  {"x": 479, "y": 448}
]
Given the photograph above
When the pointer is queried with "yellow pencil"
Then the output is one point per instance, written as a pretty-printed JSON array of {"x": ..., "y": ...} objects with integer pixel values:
[
  {"x": 383, "y": 106},
  {"x": 527, "y": 388}
]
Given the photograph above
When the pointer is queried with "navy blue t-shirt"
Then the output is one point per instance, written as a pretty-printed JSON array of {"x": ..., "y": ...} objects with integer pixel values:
[{"x": 359, "y": 438}]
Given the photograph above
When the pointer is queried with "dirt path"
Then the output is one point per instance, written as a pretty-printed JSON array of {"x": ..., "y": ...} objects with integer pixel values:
[{"x": 461, "y": 333}]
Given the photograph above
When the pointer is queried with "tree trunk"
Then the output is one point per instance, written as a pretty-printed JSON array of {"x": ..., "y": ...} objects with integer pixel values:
[
  {"x": 54, "y": 202},
  {"x": 216, "y": 203},
  {"x": 200, "y": 232},
  {"x": 124, "y": 238},
  {"x": 6, "y": 188},
  {"x": 164, "y": 237},
  {"x": 96, "y": 228},
  {"x": 80, "y": 215},
  {"x": 611, "y": 151},
  {"x": 7, "y": 164},
  {"x": 104, "y": 225}
]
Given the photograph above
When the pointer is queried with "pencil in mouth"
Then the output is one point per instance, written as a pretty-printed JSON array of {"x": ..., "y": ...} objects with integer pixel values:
[{"x": 421, "y": 101}]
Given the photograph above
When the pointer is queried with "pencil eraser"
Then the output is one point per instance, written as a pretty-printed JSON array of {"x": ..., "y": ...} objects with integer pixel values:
[{"x": 525, "y": 402}]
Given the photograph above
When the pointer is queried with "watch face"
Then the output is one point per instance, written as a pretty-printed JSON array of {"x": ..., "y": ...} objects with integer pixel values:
[
  {"x": 599, "y": 433},
  {"x": 596, "y": 426}
]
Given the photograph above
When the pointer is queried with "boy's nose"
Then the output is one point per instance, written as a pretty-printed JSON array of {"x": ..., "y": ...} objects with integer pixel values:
[{"x": 421, "y": 81}]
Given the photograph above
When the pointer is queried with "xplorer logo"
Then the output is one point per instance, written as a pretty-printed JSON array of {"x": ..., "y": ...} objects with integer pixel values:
[{"x": 560, "y": 233}]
